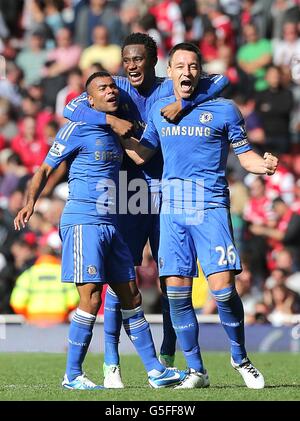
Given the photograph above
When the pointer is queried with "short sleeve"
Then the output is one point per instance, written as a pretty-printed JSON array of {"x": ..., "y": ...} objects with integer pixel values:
[
  {"x": 150, "y": 137},
  {"x": 236, "y": 131},
  {"x": 64, "y": 145}
]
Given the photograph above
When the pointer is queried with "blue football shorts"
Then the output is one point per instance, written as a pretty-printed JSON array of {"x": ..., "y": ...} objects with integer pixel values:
[
  {"x": 95, "y": 253},
  {"x": 137, "y": 229},
  {"x": 206, "y": 235}
]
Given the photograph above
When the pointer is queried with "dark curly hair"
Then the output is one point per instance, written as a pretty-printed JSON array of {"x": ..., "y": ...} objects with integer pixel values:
[{"x": 137, "y": 38}]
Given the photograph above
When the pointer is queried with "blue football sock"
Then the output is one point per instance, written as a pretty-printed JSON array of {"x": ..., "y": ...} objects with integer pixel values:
[
  {"x": 138, "y": 331},
  {"x": 168, "y": 345},
  {"x": 112, "y": 327},
  {"x": 80, "y": 335},
  {"x": 185, "y": 324},
  {"x": 231, "y": 314}
]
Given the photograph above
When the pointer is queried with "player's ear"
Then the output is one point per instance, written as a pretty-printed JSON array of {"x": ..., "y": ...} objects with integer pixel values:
[
  {"x": 91, "y": 100},
  {"x": 169, "y": 71}
]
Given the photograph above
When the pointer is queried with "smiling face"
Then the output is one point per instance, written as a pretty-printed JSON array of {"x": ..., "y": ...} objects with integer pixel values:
[
  {"x": 103, "y": 94},
  {"x": 138, "y": 66},
  {"x": 184, "y": 69}
]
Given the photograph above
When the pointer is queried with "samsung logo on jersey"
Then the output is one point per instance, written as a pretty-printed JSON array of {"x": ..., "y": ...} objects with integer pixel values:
[
  {"x": 108, "y": 156},
  {"x": 185, "y": 131}
]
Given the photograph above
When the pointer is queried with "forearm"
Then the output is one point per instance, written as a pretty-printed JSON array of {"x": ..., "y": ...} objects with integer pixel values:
[
  {"x": 133, "y": 149},
  {"x": 55, "y": 178},
  {"x": 38, "y": 182},
  {"x": 254, "y": 163},
  {"x": 273, "y": 233}
]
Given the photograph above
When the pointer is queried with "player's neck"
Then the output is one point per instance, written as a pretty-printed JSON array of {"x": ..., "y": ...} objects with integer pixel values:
[{"x": 147, "y": 85}]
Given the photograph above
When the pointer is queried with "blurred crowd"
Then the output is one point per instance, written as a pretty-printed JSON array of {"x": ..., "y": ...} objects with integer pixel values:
[{"x": 48, "y": 49}]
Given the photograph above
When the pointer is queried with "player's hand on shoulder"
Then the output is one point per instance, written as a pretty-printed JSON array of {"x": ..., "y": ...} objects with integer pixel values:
[
  {"x": 120, "y": 127},
  {"x": 172, "y": 111},
  {"x": 23, "y": 217},
  {"x": 271, "y": 163}
]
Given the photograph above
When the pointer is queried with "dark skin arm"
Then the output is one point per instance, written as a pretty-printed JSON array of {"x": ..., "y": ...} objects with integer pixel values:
[
  {"x": 37, "y": 185},
  {"x": 119, "y": 126},
  {"x": 54, "y": 179},
  {"x": 137, "y": 152}
]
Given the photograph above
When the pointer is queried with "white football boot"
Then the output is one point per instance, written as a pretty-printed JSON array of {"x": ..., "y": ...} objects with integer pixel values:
[
  {"x": 252, "y": 377},
  {"x": 194, "y": 380},
  {"x": 112, "y": 377}
]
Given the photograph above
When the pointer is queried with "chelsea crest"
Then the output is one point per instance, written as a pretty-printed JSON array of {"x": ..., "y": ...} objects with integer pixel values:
[{"x": 206, "y": 117}]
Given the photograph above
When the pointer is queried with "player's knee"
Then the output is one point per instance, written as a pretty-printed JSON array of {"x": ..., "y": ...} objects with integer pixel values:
[
  {"x": 90, "y": 304},
  {"x": 95, "y": 303}
]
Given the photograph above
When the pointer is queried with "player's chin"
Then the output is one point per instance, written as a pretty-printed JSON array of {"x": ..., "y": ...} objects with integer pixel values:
[
  {"x": 186, "y": 93},
  {"x": 112, "y": 107}
]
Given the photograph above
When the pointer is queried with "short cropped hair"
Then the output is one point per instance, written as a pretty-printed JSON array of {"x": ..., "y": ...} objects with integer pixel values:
[
  {"x": 185, "y": 46},
  {"x": 93, "y": 76},
  {"x": 137, "y": 38}
]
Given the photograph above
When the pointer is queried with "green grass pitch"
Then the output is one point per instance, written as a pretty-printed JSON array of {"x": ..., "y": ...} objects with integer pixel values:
[{"x": 37, "y": 377}]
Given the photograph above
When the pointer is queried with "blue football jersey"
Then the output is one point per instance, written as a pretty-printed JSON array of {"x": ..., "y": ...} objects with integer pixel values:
[
  {"x": 195, "y": 151},
  {"x": 94, "y": 156},
  {"x": 135, "y": 107}
]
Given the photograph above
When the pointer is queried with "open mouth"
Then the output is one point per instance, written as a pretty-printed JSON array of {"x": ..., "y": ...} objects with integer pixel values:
[
  {"x": 112, "y": 99},
  {"x": 186, "y": 85},
  {"x": 135, "y": 76}
]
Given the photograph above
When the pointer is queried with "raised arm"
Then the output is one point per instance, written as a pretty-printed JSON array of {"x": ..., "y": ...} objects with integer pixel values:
[
  {"x": 37, "y": 185},
  {"x": 79, "y": 110}
]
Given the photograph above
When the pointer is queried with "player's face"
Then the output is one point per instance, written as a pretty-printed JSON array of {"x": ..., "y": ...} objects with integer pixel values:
[
  {"x": 104, "y": 94},
  {"x": 136, "y": 64},
  {"x": 184, "y": 70}
]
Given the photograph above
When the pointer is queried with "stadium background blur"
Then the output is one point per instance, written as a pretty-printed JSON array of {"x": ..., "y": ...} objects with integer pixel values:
[{"x": 50, "y": 47}]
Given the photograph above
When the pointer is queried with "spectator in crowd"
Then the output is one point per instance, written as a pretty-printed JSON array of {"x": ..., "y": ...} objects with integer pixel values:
[
  {"x": 169, "y": 21},
  {"x": 130, "y": 13},
  {"x": 254, "y": 56},
  {"x": 109, "y": 55},
  {"x": 8, "y": 127},
  {"x": 148, "y": 282},
  {"x": 250, "y": 294},
  {"x": 11, "y": 84},
  {"x": 258, "y": 213},
  {"x": 30, "y": 148},
  {"x": 32, "y": 107},
  {"x": 24, "y": 251},
  {"x": 253, "y": 123},
  {"x": 238, "y": 199},
  {"x": 53, "y": 14},
  {"x": 222, "y": 24},
  {"x": 285, "y": 263},
  {"x": 73, "y": 88},
  {"x": 147, "y": 25},
  {"x": 96, "y": 12},
  {"x": 283, "y": 11},
  {"x": 60, "y": 60},
  {"x": 39, "y": 294},
  {"x": 285, "y": 49},
  {"x": 282, "y": 184},
  {"x": 32, "y": 59},
  {"x": 274, "y": 106},
  {"x": 282, "y": 302},
  {"x": 286, "y": 233},
  {"x": 12, "y": 170}
]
